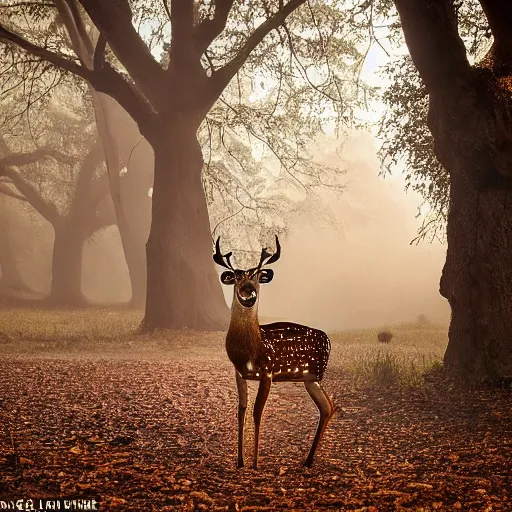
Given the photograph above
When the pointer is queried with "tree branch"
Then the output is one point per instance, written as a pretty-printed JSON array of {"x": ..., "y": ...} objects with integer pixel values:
[
  {"x": 221, "y": 78},
  {"x": 108, "y": 80},
  {"x": 99, "y": 53},
  {"x": 33, "y": 197},
  {"x": 182, "y": 32},
  {"x": 19, "y": 159},
  {"x": 499, "y": 16},
  {"x": 99, "y": 189},
  {"x": 43, "y": 53},
  {"x": 430, "y": 30},
  {"x": 115, "y": 24},
  {"x": 6, "y": 191},
  {"x": 209, "y": 29},
  {"x": 80, "y": 40}
]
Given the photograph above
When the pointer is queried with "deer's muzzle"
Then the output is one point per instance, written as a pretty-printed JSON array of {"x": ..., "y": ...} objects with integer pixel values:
[{"x": 247, "y": 295}]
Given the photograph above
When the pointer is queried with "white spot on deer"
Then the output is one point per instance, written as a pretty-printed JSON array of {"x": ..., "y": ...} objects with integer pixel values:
[{"x": 249, "y": 366}]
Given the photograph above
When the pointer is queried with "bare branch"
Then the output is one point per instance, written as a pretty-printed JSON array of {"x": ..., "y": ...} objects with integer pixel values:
[
  {"x": 166, "y": 7},
  {"x": 182, "y": 33},
  {"x": 98, "y": 221},
  {"x": 43, "y": 53},
  {"x": 223, "y": 76},
  {"x": 93, "y": 159},
  {"x": 100, "y": 188},
  {"x": 115, "y": 24},
  {"x": 33, "y": 197},
  {"x": 209, "y": 29}
]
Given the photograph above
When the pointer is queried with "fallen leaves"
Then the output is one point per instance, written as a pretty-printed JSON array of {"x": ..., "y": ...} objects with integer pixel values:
[{"x": 146, "y": 434}]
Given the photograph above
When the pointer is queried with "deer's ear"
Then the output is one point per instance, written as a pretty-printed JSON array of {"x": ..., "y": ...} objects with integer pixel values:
[
  {"x": 266, "y": 275},
  {"x": 227, "y": 277}
]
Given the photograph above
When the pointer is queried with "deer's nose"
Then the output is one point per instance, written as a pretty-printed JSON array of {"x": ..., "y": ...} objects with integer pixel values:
[{"x": 247, "y": 295}]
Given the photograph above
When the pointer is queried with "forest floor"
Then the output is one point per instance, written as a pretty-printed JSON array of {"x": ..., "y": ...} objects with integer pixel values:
[{"x": 148, "y": 424}]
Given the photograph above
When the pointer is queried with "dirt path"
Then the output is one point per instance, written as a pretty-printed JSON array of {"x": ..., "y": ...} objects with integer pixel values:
[{"x": 161, "y": 436}]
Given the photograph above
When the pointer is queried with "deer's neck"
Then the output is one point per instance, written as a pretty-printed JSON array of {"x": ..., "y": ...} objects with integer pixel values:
[{"x": 243, "y": 341}]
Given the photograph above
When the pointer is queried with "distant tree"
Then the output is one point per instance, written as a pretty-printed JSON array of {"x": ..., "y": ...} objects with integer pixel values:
[
  {"x": 302, "y": 61},
  {"x": 66, "y": 189},
  {"x": 11, "y": 281}
]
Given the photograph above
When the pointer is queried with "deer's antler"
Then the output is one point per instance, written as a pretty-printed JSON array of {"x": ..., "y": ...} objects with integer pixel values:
[
  {"x": 265, "y": 254},
  {"x": 218, "y": 257}
]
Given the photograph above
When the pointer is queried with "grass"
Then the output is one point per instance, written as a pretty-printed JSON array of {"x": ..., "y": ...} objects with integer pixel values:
[
  {"x": 113, "y": 333},
  {"x": 93, "y": 324},
  {"x": 413, "y": 351},
  {"x": 393, "y": 370}
]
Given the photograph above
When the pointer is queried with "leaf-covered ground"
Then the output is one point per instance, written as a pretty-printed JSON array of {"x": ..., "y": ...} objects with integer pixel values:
[{"x": 161, "y": 435}]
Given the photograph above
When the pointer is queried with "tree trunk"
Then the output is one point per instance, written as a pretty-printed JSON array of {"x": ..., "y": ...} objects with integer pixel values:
[
  {"x": 66, "y": 289},
  {"x": 470, "y": 117},
  {"x": 183, "y": 286},
  {"x": 11, "y": 279},
  {"x": 134, "y": 253},
  {"x": 477, "y": 276}
]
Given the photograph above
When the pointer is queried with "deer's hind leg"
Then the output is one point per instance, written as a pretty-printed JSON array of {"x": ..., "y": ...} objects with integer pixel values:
[
  {"x": 242, "y": 407},
  {"x": 326, "y": 410},
  {"x": 259, "y": 405}
]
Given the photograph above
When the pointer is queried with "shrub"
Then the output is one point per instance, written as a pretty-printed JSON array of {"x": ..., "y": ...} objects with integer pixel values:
[
  {"x": 422, "y": 321},
  {"x": 385, "y": 336}
]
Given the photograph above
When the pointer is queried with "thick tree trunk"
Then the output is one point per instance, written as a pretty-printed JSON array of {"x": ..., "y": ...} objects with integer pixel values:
[
  {"x": 66, "y": 289},
  {"x": 470, "y": 117},
  {"x": 477, "y": 277},
  {"x": 477, "y": 281},
  {"x": 183, "y": 286}
]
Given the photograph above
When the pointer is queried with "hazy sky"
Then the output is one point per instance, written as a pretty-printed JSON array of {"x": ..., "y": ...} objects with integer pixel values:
[{"x": 369, "y": 275}]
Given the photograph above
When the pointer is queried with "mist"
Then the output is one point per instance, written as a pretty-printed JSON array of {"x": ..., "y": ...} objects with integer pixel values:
[{"x": 361, "y": 271}]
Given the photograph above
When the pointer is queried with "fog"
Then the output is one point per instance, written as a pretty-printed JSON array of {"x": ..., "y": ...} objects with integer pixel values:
[
  {"x": 366, "y": 273},
  {"x": 358, "y": 270}
]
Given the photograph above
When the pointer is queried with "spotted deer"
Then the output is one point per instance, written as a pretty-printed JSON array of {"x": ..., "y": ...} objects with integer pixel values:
[{"x": 276, "y": 352}]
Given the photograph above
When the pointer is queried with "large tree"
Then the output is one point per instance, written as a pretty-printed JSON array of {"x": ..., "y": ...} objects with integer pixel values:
[
  {"x": 209, "y": 43},
  {"x": 465, "y": 99}
]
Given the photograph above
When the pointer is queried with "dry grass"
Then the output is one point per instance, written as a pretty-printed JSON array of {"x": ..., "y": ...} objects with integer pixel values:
[
  {"x": 113, "y": 333},
  {"x": 402, "y": 363}
]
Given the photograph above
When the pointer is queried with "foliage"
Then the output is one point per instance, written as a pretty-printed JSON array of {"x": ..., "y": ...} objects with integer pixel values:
[
  {"x": 298, "y": 81},
  {"x": 407, "y": 141}
]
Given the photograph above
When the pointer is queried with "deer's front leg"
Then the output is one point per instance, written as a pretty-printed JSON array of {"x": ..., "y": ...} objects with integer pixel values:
[
  {"x": 242, "y": 407},
  {"x": 259, "y": 405}
]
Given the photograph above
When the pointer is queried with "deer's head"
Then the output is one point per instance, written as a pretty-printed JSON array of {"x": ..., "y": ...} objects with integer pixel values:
[{"x": 246, "y": 282}]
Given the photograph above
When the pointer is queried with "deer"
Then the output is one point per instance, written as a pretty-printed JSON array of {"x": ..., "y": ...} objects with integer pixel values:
[{"x": 275, "y": 352}]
